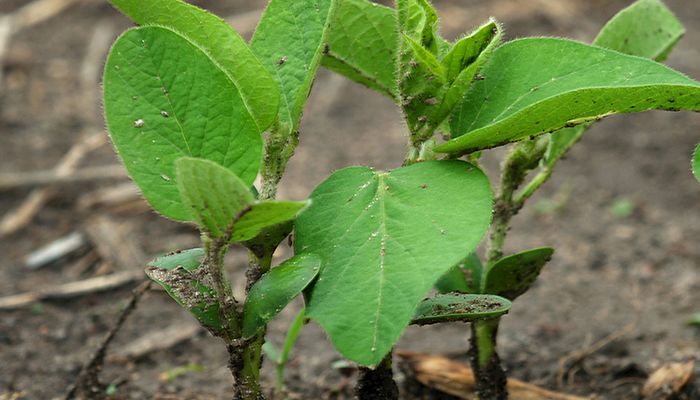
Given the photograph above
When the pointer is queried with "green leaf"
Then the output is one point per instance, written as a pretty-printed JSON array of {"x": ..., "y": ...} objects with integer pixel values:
[
  {"x": 470, "y": 48},
  {"x": 647, "y": 29},
  {"x": 460, "y": 307},
  {"x": 179, "y": 273},
  {"x": 696, "y": 162},
  {"x": 269, "y": 238},
  {"x": 425, "y": 58},
  {"x": 538, "y": 85},
  {"x": 463, "y": 63},
  {"x": 385, "y": 238},
  {"x": 464, "y": 277},
  {"x": 419, "y": 20},
  {"x": 263, "y": 215},
  {"x": 259, "y": 91},
  {"x": 512, "y": 276},
  {"x": 420, "y": 74},
  {"x": 215, "y": 195},
  {"x": 289, "y": 41},
  {"x": 274, "y": 290},
  {"x": 271, "y": 352},
  {"x": 159, "y": 110},
  {"x": 362, "y": 44}
]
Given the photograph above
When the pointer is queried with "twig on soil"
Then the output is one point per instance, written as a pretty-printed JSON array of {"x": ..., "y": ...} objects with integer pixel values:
[
  {"x": 5, "y": 33},
  {"x": 53, "y": 177},
  {"x": 456, "y": 379},
  {"x": 109, "y": 196},
  {"x": 568, "y": 362},
  {"x": 91, "y": 68},
  {"x": 162, "y": 339},
  {"x": 26, "y": 16},
  {"x": 114, "y": 243},
  {"x": 55, "y": 250},
  {"x": 71, "y": 289},
  {"x": 38, "y": 11},
  {"x": 88, "y": 383},
  {"x": 15, "y": 219},
  {"x": 668, "y": 381}
]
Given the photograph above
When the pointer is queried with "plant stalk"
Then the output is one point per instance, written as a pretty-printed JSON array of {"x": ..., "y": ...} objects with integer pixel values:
[
  {"x": 377, "y": 383},
  {"x": 491, "y": 380},
  {"x": 245, "y": 355}
]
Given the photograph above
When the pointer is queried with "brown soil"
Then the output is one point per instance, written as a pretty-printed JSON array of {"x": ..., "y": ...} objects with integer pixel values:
[{"x": 608, "y": 271}]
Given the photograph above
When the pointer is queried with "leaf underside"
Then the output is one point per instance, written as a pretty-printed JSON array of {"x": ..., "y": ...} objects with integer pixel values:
[
  {"x": 453, "y": 307},
  {"x": 538, "y": 85},
  {"x": 647, "y": 29},
  {"x": 513, "y": 275},
  {"x": 179, "y": 274},
  {"x": 164, "y": 99},
  {"x": 385, "y": 238}
]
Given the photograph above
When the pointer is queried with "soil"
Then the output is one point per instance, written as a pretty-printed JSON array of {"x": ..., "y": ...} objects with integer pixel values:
[{"x": 610, "y": 270}]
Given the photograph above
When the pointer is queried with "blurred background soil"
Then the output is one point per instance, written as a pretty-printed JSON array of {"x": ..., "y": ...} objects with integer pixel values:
[{"x": 622, "y": 211}]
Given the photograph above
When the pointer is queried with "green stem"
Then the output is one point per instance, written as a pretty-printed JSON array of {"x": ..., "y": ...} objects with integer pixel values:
[
  {"x": 491, "y": 380},
  {"x": 529, "y": 189},
  {"x": 245, "y": 355},
  {"x": 377, "y": 383}
]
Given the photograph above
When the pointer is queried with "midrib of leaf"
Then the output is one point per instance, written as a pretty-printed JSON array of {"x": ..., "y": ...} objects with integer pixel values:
[
  {"x": 540, "y": 86},
  {"x": 381, "y": 193}
]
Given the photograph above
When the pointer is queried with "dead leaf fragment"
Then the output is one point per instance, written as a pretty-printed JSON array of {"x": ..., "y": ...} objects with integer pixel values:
[
  {"x": 668, "y": 380},
  {"x": 456, "y": 379}
]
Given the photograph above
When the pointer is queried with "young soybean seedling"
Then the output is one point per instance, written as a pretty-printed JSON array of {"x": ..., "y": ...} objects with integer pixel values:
[
  {"x": 196, "y": 114},
  {"x": 539, "y": 92}
]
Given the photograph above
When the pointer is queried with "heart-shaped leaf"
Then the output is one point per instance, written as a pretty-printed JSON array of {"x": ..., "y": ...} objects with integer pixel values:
[
  {"x": 385, "y": 238},
  {"x": 214, "y": 194},
  {"x": 512, "y": 276},
  {"x": 159, "y": 110},
  {"x": 362, "y": 24},
  {"x": 538, "y": 85},
  {"x": 180, "y": 275},
  {"x": 460, "y": 307},
  {"x": 274, "y": 290},
  {"x": 259, "y": 91}
]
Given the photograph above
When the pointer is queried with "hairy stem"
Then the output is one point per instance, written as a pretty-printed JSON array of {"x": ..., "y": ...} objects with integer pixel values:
[
  {"x": 377, "y": 383},
  {"x": 490, "y": 377},
  {"x": 491, "y": 380},
  {"x": 245, "y": 355}
]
